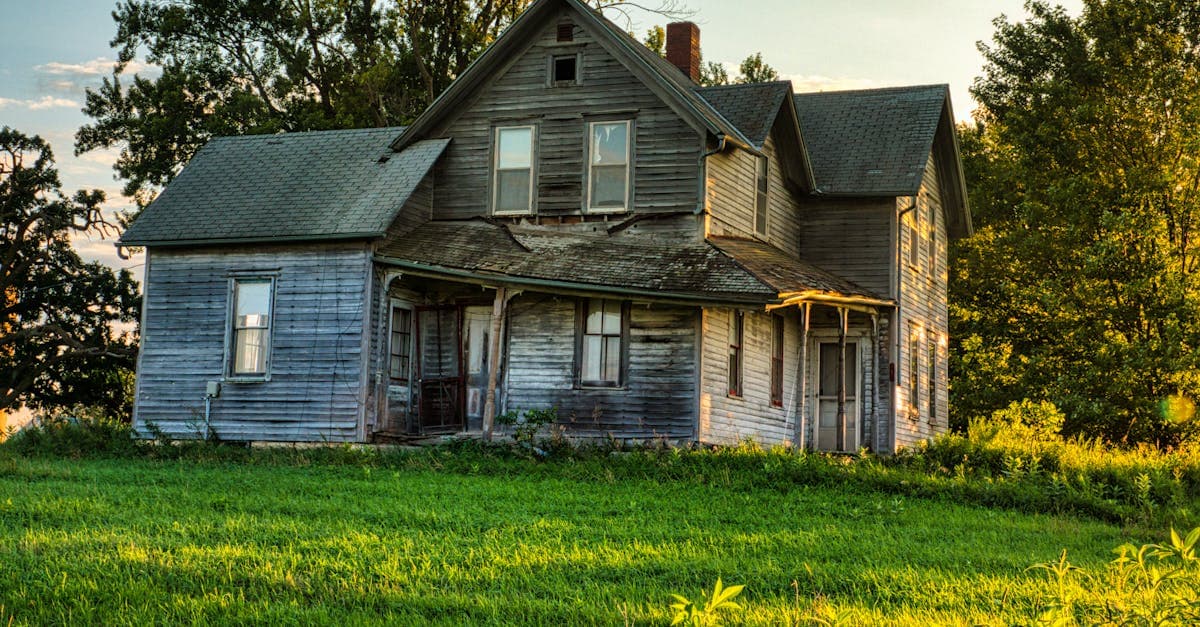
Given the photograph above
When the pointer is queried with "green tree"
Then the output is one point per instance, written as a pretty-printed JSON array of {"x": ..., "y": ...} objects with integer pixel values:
[
  {"x": 754, "y": 70},
  {"x": 1080, "y": 286},
  {"x": 58, "y": 345}
]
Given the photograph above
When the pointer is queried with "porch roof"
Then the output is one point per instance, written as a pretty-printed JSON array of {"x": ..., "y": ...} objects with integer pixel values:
[{"x": 722, "y": 270}]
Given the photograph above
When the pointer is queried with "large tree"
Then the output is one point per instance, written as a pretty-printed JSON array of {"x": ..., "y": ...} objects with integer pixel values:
[
  {"x": 264, "y": 66},
  {"x": 1080, "y": 285},
  {"x": 59, "y": 345}
]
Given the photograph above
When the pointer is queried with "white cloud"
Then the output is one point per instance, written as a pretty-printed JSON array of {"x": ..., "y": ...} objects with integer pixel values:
[
  {"x": 45, "y": 102},
  {"x": 100, "y": 66},
  {"x": 804, "y": 83}
]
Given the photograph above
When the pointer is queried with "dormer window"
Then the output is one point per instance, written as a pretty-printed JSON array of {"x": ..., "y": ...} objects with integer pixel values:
[
  {"x": 564, "y": 70},
  {"x": 512, "y": 179},
  {"x": 608, "y": 166}
]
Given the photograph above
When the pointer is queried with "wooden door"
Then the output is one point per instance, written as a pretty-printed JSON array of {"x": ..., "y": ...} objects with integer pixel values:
[
  {"x": 827, "y": 396},
  {"x": 400, "y": 369},
  {"x": 477, "y": 326},
  {"x": 439, "y": 332}
]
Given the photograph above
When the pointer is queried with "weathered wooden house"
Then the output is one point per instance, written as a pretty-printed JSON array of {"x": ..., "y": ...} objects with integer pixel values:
[{"x": 575, "y": 224}]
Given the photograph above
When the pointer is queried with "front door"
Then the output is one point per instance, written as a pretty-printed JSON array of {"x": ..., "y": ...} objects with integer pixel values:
[
  {"x": 827, "y": 396},
  {"x": 400, "y": 364},
  {"x": 477, "y": 324},
  {"x": 439, "y": 330}
]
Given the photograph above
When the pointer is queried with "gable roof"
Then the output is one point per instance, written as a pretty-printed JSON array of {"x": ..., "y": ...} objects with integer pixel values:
[
  {"x": 665, "y": 79},
  {"x": 322, "y": 185},
  {"x": 751, "y": 107},
  {"x": 877, "y": 142}
]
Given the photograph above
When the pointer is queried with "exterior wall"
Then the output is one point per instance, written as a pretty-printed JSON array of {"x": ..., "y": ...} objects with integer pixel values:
[
  {"x": 666, "y": 148},
  {"x": 923, "y": 306},
  {"x": 659, "y": 397},
  {"x": 730, "y": 191},
  {"x": 316, "y": 390},
  {"x": 851, "y": 238}
]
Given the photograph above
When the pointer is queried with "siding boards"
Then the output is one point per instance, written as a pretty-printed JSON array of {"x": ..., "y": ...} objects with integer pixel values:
[
  {"x": 665, "y": 147},
  {"x": 731, "y": 190},
  {"x": 851, "y": 238},
  {"x": 659, "y": 396},
  {"x": 316, "y": 346}
]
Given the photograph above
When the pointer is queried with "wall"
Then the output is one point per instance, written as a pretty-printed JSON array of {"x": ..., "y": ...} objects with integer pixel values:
[
  {"x": 316, "y": 389},
  {"x": 667, "y": 149},
  {"x": 851, "y": 238},
  {"x": 731, "y": 189},
  {"x": 659, "y": 398}
]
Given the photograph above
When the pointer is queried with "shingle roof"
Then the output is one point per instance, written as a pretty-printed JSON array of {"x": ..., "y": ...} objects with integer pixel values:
[
  {"x": 783, "y": 273},
  {"x": 316, "y": 185},
  {"x": 752, "y": 108},
  {"x": 871, "y": 142}
]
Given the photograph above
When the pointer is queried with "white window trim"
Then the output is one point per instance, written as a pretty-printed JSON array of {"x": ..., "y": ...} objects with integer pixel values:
[
  {"x": 228, "y": 375},
  {"x": 628, "y": 166},
  {"x": 533, "y": 139}
]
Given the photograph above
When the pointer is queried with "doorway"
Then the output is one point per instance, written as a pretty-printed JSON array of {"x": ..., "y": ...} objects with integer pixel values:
[{"x": 826, "y": 392}]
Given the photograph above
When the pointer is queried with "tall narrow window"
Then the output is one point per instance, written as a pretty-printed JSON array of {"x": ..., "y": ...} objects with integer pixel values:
[
  {"x": 914, "y": 368},
  {"x": 251, "y": 327},
  {"x": 762, "y": 170},
  {"x": 737, "y": 321},
  {"x": 401, "y": 345},
  {"x": 914, "y": 240},
  {"x": 513, "y": 179},
  {"x": 608, "y": 166},
  {"x": 933, "y": 380},
  {"x": 777, "y": 361},
  {"x": 932, "y": 241},
  {"x": 603, "y": 330}
]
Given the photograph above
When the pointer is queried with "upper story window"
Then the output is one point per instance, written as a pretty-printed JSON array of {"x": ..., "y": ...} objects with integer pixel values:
[
  {"x": 932, "y": 241},
  {"x": 250, "y": 328},
  {"x": 608, "y": 166},
  {"x": 603, "y": 333},
  {"x": 513, "y": 170},
  {"x": 762, "y": 184},
  {"x": 914, "y": 239},
  {"x": 564, "y": 70}
]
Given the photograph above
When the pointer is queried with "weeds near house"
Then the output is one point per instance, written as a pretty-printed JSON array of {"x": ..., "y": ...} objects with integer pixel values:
[{"x": 706, "y": 613}]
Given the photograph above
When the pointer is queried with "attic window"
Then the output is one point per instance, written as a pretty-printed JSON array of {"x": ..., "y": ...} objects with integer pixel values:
[
  {"x": 566, "y": 32},
  {"x": 564, "y": 70}
]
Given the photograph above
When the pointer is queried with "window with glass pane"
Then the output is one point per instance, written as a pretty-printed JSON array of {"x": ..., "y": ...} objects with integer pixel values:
[
  {"x": 602, "y": 333},
  {"x": 736, "y": 328},
  {"x": 777, "y": 361},
  {"x": 251, "y": 326},
  {"x": 608, "y": 163},
  {"x": 914, "y": 368},
  {"x": 401, "y": 346},
  {"x": 760, "y": 196},
  {"x": 932, "y": 400},
  {"x": 514, "y": 170}
]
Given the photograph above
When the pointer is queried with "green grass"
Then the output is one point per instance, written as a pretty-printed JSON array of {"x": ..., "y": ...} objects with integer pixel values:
[{"x": 463, "y": 537}]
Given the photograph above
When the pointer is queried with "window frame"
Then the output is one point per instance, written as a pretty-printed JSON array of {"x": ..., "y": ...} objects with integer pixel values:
[
  {"x": 914, "y": 239},
  {"x": 393, "y": 307},
  {"x": 762, "y": 195},
  {"x": 932, "y": 383},
  {"x": 778, "y": 340},
  {"x": 914, "y": 369},
  {"x": 931, "y": 243},
  {"x": 581, "y": 335},
  {"x": 496, "y": 170},
  {"x": 589, "y": 177},
  {"x": 736, "y": 354},
  {"x": 230, "y": 373},
  {"x": 552, "y": 69}
]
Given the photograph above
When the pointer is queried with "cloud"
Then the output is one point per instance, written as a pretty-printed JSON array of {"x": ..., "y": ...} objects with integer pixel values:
[
  {"x": 100, "y": 66},
  {"x": 45, "y": 102},
  {"x": 803, "y": 83}
]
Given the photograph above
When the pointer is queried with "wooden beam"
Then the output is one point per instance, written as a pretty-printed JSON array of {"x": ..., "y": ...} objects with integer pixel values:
[
  {"x": 843, "y": 321},
  {"x": 802, "y": 380},
  {"x": 489, "y": 406}
]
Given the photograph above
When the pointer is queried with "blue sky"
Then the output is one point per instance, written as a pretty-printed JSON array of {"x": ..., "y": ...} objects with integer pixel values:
[{"x": 54, "y": 49}]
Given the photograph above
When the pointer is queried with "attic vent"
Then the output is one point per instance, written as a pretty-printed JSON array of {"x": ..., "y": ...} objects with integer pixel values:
[{"x": 566, "y": 32}]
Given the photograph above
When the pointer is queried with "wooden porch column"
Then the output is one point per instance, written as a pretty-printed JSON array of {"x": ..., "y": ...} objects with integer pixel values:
[
  {"x": 489, "y": 405},
  {"x": 843, "y": 323},
  {"x": 802, "y": 380}
]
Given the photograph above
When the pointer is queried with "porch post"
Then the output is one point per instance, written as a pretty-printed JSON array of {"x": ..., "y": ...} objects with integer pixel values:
[
  {"x": 489, "y": 406},
  {"x": 802, "y": 380},
  {"x": 843, "y": 322}
]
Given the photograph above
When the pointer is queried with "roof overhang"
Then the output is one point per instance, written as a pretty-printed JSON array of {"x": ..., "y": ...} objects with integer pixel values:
[{"x": 863, "y": 304}]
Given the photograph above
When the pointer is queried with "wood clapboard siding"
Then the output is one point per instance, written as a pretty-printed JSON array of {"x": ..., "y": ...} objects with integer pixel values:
[
  {"x": 659, "y": 397},
  {"x": 315, "y": 392},
  {"x": 923, "y": 304},
  {"x": 731, "y": 190},
  {"x": 666, "y": 148},
  {"x": 850, "y": 237}
]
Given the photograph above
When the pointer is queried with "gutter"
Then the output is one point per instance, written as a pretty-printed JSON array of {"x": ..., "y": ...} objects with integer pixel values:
[
  {"x": 702, "y": 179},
  {"x": 255, "y": 240}
]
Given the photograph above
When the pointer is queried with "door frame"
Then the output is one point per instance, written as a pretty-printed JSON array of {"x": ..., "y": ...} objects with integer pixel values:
[
  {"x": 816, "y": 337},
  {"x": 460, "y": 385},
  {"x": 393, "y": 304}
]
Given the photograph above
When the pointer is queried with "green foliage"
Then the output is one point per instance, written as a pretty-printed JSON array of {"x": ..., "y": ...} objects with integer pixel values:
[
  {"x": 692, "y": 614},
  {"x": 75, "y": 432},
  {"x": 1080, "y": 285},
  {"x": 58, "y": 345},
  {"x": 754, "y": 70},
  {"x": 656, "y": 40},
  {"x": 1151, "y": 585},
  {"x": 526, "y": 424},
  {"x": 1037, "y": 421}
]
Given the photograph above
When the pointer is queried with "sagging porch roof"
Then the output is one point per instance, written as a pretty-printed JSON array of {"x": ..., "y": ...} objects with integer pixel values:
[{"x": 722, "y": 270}]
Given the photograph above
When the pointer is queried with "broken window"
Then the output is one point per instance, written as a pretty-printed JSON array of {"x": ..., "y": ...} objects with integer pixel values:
[
  {"x": 251, "y": 326},
  {"x": 564, "y": 70},
  {"x": 608, "y": 166}
]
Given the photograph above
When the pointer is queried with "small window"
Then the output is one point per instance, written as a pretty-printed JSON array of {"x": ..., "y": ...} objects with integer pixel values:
[
  {"x": 564, "y": 70},
  {"x": 914, "y": 240},
  {"x": 932, "y": 241},
  {"x": 608, "y": 166},
  {"x": 513, "y": 182},
  {"x": 401, "y": 345},
  {"x": 932, "y": 366},
  {"x": 914, "y": 369},
  {"x": 777, "y": 361},
  {"x": 736, "y": 327},
  {"x": 251, "y": 327},
  {"x": 604, "y": 322},
  {"x": 762, "y": 170}
]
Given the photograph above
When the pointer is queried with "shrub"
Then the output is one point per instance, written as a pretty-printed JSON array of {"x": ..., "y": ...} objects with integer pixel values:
[{"x": 75, "y": 432}]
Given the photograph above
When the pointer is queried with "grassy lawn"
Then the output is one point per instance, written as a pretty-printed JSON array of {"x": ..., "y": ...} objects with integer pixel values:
[{"x": 154, "y": 542}]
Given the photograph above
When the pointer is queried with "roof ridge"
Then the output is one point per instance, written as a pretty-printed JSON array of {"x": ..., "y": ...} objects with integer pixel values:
[
  {"x": 875, "y": 89},
  {"x": 330, "y": 131},
  {"x": 781, "y": 81}
]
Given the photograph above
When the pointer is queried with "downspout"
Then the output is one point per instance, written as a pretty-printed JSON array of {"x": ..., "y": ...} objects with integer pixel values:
[
  {"x": 702, "y": 169},
  {"x": 897, "y": 331}
]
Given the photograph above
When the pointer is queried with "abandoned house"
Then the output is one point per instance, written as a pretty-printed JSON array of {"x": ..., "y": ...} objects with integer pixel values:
[{"x": 574, "y": 223}]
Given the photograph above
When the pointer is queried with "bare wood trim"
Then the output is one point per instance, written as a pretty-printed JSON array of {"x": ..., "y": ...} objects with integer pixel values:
[
  {"x": 843, "y": 321},
  {"x": 489, "y": 408},
  {"x": 802, "y": 379}
]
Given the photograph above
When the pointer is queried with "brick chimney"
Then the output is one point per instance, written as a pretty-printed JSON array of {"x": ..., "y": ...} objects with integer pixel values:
[{"x": 683, "y": 48}]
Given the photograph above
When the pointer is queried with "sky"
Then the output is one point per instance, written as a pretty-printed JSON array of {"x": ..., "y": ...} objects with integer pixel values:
[{"x": 53, "y": 50}]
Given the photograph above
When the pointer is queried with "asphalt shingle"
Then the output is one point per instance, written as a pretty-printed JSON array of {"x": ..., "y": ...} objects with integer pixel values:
[{"x": 752, "y": 107}]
